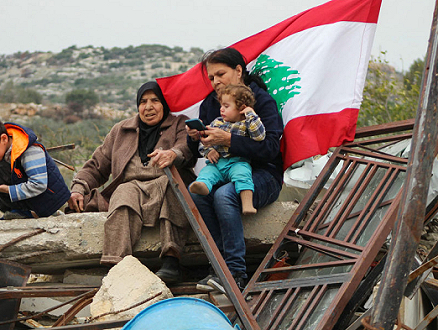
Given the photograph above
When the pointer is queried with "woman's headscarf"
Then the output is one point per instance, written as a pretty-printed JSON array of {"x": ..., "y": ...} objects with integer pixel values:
[{"x": 149, "y": 135}]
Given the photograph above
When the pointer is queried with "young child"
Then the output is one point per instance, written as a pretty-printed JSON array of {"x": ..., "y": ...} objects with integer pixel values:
[
  {"x": 237, "y": 117},
  {"x": 30, "y": 182}
]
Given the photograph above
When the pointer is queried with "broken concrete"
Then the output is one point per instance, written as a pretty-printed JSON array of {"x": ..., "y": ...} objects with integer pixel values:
[
  {"x": 91, "y": 277},
  {"x": 76, "y": 240},
  {"x": 127, "y": 284},
  {"x": 36, "y": 305}
]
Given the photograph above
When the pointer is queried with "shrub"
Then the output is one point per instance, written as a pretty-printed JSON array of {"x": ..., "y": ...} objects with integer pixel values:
[
  {"x": 80, "y": 99},
  {"x": 17, "y": 94}
]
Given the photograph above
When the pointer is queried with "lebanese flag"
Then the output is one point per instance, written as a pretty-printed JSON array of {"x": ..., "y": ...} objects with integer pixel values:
[{"x": 314, "y": 65}]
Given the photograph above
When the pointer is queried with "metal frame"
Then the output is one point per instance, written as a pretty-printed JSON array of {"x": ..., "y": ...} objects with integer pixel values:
[
  {"x": 210, "y": 248},
  {"x": 333, "y": 259}
]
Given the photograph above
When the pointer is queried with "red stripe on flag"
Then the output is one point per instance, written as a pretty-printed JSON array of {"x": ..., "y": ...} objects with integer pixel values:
[
  {"x": 186, "y": 89},
  {"x": 308, "y": 136},
  {"x": 328, "y": 13}
]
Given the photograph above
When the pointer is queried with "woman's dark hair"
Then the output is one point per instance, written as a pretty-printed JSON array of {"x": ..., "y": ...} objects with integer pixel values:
[{"x": 232, "y": 58}]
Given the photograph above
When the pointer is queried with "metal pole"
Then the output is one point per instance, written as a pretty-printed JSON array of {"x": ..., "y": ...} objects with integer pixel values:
[
  {"x": 409, "y": 225},
  {"x": 210, "y": 249}
]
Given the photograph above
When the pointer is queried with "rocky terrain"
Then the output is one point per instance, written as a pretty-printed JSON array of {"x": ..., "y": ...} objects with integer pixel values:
[{"x": 114, "y": 74}]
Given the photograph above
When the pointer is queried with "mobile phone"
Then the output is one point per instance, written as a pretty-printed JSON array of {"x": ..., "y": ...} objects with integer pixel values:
[{"x": 196, "y": 124}]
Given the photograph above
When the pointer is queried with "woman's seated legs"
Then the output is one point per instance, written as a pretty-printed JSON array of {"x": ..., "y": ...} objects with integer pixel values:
[
  {"x": 221, "y": 213},
  {"x": 208, "y": 213},
  {"x": 122, "y": 231},
  {"x": 266, "y": 188},
  {"x": 227, "y": 204}
]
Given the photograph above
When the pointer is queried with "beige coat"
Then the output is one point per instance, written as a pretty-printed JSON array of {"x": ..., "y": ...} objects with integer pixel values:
[{"x": 119, "y": 146}]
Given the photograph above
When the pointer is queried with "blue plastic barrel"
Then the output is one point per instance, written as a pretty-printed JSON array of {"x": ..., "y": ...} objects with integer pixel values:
[{"x": 181, "y": 313}]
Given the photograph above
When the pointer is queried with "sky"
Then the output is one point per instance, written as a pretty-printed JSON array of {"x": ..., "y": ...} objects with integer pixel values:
[{"x": 402, "y": 32}]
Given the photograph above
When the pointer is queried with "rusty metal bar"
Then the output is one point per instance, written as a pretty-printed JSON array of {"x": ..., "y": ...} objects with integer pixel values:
[
  {"x": 86, "y": 294},
  {"x": 358, "y": 271},
  {"x": 302, "y": 282},
  {"x": 73, "y": 310},
  {"x": 60, "y": 148},
  {"x": 356, "y": 214},
  {"x": 370, "y": 209},
  {"x": 280, "y": 313},
  {"x": 382, "y": 142},
  {"x": 301, "y": 211},
  {"x": 322, "y": 238},
  {"x": 327, "y": 204},
  {"x": 412, "y": 209},
  {"x": 258, "y": 301},
  {"x": 332, "y": 252},
  {"x": 265, "y": 300},
  {"x": 420, "y": 270},
  {"x": 365, "y": 153},
  {"x": 71, "y": 168},
  {"x": 210, "y": 249},
  {"x": 427, "y": 319},
  {"x": 311, "y": 302},
  {"x": 20, "y": 238},
  {"x": 27, "y": 292},
  {"x": 351, "y": 201},
  {"x": 396, "y": 126},
  {"x": 310, "y": 266}
]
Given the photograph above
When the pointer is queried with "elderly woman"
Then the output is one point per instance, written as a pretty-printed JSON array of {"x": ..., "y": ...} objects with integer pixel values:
[
  {"x": 135, "y": 152},
  {"x": 221, "y": 208}
]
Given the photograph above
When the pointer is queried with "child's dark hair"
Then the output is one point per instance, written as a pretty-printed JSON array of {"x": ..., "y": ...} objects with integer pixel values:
[
  {"x": 231, "y": 58},
  {"x": 242, "y": 94},
  {"x": 3, "y": 129}
]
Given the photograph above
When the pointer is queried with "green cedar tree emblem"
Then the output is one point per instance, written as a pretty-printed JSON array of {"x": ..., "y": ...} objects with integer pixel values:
[{"x": 281, "y": 80}]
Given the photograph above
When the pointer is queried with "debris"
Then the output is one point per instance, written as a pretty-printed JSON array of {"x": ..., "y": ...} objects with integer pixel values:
[{"x": 127, "y": 284}]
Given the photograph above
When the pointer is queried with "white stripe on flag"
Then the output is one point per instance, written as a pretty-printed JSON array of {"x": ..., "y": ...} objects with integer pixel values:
[
  {"x": 331, "y": 61},
  {"x": 326, "y": 49}
]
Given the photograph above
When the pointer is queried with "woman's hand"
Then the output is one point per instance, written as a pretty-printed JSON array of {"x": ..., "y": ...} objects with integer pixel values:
[
  {"x": 76, "y": 202},
  {"x": 216, "y": 137},
  {"x": 162, "y": 158},
  {"x": 213, "y": 156},
  {"x": 193, "y": 133}
]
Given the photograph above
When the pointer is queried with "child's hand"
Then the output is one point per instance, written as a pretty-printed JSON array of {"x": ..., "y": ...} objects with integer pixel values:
[
  {"x": 246, "y": 110},
  {"x": 213, "y": 156}
]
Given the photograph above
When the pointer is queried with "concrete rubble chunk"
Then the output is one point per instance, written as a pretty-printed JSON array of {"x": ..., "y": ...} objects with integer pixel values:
[
  {"x": 36, "y": 305},
  {"x": 76, "y": 240},
  {"x": 127, "y": 284},
  {"x": 91, "y": 277}
]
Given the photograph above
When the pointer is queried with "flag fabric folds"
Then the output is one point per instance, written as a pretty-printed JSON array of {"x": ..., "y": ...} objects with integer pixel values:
[{"x": 314, "y": 65}]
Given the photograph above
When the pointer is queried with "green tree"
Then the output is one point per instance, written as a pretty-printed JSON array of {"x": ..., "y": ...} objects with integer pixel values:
[
  {"x": 11, "y": 93},
  {"x": 389, "y": 96},
  {"x": 80, "y": 99},
  {"x": 414, "y": 75},
  {"x": 7, "y": 94},
  {"x": 29, "y": 95}
]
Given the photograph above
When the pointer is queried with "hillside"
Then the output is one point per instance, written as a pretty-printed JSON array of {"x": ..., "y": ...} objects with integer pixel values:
[{"x": 113, "y": 74}]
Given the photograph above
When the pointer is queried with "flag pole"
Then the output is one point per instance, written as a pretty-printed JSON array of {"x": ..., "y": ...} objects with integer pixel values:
[{"x": 409, "y": 224}]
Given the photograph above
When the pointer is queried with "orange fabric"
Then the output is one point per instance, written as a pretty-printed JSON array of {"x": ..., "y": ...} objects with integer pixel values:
[
  {"x": 20, "y": 141},
  {"x": 279, "y": 276}
]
